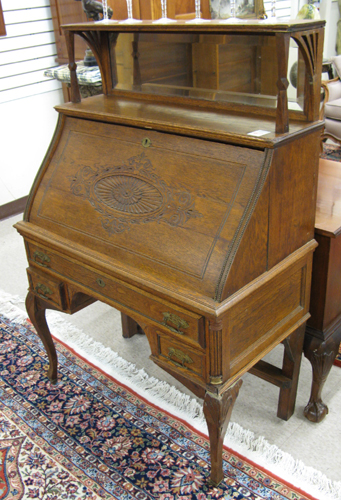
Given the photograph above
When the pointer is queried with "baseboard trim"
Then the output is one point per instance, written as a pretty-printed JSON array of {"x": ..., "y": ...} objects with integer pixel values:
[{"x": 13, "y": 207}]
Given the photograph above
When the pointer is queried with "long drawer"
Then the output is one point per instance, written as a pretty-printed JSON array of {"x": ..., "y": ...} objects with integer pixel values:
[{"x": 171, "y": 319}]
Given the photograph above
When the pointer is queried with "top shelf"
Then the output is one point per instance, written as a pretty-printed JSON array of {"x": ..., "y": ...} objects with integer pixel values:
[
  {"x": 232, "y": 66},
  {"x": 249, "y": 26}
]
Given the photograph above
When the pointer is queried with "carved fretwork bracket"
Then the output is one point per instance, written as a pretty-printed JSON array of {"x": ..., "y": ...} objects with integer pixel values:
[
  {"x": 103, "y": 49},
  {"x": 100, "y": 47},
  {"x": 311, "y": 47}
]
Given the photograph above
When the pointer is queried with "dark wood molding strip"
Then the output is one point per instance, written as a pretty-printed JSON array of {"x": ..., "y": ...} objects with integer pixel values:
[
  {"x": 2, "y": 22},
  {"x": 13, "y": 207}
]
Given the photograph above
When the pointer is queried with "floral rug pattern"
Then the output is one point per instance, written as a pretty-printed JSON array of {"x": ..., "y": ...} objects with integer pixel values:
[
  {"x": 331, "y": 152},
  {"x": 90, "y": 438}
]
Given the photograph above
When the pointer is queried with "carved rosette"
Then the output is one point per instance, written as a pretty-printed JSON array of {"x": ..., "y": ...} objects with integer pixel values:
[{"x": 130, "y": 194}]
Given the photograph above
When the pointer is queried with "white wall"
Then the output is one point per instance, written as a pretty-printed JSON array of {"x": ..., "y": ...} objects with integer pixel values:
[
  {"x": 329, "y": 11},
  {"x": 283, "y": 8},
  {"x": 27, "y": 117}
]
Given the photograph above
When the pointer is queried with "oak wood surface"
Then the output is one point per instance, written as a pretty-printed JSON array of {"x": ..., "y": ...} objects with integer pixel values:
[
  {"x": 187, "y": 120},
  {"x": 170, "y": 212},
  {"x": 248, "y": 26}
]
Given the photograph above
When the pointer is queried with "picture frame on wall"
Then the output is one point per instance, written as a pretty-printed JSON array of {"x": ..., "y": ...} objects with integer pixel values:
[
  {"x": 221, "y": 9},
  {"x": 2, "y": 22}
]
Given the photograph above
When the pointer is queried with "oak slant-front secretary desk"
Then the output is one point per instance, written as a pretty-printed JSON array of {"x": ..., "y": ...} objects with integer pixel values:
[{"x": 185, "y": 197}]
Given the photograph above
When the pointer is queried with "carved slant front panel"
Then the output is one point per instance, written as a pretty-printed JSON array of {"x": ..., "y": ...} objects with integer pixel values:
[
  {"x": 163, "y": 204},
  {"x": 131, "y": 193}
]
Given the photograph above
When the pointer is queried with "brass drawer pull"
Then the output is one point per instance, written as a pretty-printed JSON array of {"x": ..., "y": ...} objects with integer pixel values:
[
  {"x": 100, "y": 282},
  {"x": 177, "y": 322},
  {"x": 43, "y": 291},
  {"x": 146, "y": 142},
  {"x": 41, "y": 258},
  {"x": 180, "y": 356}
]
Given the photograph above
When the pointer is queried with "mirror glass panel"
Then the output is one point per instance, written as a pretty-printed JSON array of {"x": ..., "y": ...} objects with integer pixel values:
[{"x": 241, "y": 70}]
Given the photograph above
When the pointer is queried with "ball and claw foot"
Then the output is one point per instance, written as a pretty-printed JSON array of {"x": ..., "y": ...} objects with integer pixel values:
[{"x": 315, "y": 411}]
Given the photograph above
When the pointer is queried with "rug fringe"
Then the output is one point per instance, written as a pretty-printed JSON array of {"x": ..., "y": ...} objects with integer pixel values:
[
  {"x": 9, "y": 307},
  {"x": 181, "y": 405}
]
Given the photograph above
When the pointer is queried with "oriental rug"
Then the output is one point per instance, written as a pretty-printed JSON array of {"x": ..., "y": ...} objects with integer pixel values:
[
  {"x": 90, "y": 437},
  {"x": 331, "y": 152}
]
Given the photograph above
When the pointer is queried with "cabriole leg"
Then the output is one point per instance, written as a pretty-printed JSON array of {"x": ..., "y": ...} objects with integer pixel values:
[
  {"x": 36, "y": 309},
  {"x": 321, "y": 355},
  {"x": 217, "y": 410}
]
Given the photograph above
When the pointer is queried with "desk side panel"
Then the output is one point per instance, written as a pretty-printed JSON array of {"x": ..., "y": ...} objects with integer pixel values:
[
  {"x": 269, "y": 314},
  {"x": 293, "y": 187}
]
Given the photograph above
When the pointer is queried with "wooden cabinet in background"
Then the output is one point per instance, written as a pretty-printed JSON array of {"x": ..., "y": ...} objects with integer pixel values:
[{"x": 323, "y": 333}]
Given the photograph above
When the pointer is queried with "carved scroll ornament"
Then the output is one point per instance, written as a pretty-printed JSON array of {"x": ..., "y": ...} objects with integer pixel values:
[{"x": 131, "y": 193}]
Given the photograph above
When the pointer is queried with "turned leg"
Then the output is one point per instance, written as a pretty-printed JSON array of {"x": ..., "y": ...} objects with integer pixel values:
[
  {"x": 293, "y": 346},
  {"x": 36, "y": 309},
  {"x": 321, "y": 354},
  {"x": 129, "y": 326},
  {"x": 217, "y": 410}
]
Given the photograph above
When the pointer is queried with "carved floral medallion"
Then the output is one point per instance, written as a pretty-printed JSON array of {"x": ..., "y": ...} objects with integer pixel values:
[{"x": 131, "y": 193}]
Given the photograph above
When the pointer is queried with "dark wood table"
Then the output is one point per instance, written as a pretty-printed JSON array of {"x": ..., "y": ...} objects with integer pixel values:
[{"x": 323, "y": 332}]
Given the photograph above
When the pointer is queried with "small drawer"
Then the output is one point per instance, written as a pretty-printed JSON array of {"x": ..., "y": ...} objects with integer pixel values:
[
  {"x": 39, "y": 256},
  {"x": 181, "y": 356},
  {"x": 46, "y": 287},
  {"x": 180, "y": 322}
]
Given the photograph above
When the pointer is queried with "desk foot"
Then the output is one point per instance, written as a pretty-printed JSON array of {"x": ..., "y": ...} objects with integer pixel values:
[
  {"x": 315, "y": 411},
  {"x": 321, "y": 355},
  {"x": 217, "y": 411},
  {"x": 36, "y": 309}
]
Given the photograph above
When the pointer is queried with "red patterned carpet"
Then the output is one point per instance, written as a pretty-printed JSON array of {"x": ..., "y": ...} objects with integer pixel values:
[{"x": 90, "y": 437}]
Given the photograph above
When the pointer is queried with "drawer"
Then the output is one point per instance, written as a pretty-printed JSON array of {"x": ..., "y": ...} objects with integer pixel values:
[
  {"x": 47, "y": 287},
  {"x": 181, "y": 356},
  {"x": 171, "y": 319},
  {"x": 180, "y": 322}
]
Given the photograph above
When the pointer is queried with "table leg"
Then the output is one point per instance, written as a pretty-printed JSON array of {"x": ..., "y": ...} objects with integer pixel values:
[
  {"x": 217, "y": 411},
  {"x": 129, "y": 326},
  {"x": 321, "y": 354},
  {"x": 36, "y": 309},
  {"x": 293, "y": 346}
]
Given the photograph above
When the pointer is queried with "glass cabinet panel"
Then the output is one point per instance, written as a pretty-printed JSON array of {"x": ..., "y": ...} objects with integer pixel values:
[{"x": 239, "y": 69}]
